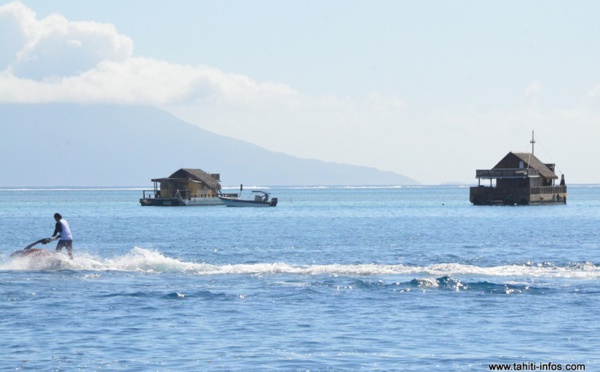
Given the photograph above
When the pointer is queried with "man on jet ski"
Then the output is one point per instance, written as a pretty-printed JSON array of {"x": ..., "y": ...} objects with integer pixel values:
[{"x": 66, "y": 238}]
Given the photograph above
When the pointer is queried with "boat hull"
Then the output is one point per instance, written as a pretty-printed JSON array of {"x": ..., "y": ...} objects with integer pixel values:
[
  {"x": 480, "y": 195},
  {"x": 242, "y": 203},
  {"x": 180, "y": 202}
]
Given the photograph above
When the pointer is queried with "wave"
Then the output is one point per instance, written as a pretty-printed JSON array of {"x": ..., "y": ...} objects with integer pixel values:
[
  {"x": 68, "y": 188},
  {"x": 249, "y": 187},
  {"x": 152, "y": 261},
  {"x": 353, "y": 187},
  {"x": 446, "y": 283}
]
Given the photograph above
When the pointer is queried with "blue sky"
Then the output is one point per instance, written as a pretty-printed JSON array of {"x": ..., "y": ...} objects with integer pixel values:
[{"x": 429, "y": 89}]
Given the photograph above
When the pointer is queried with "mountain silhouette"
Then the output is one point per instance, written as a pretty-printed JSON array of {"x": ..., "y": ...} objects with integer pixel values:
[{"x": 119, "y": 145}]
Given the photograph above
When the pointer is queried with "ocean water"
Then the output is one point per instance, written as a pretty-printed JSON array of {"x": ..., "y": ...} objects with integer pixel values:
[{"x": 332, "y": 279}]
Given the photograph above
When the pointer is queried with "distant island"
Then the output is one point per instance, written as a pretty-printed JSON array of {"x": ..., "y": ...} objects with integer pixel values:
[{"x": 119, "y": 145}]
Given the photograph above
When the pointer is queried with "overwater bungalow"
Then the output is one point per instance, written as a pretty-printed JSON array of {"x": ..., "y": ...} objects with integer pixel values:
[
  {"x": 519, "y": 179},
  {"x": 185, "y": 187}
]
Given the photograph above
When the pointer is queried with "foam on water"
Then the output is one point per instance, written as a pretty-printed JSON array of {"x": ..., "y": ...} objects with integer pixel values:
[{"x": 153, "y": 261}]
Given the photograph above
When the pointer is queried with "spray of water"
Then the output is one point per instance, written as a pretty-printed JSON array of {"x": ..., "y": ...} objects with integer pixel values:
[{"x": 151, "y": 261}]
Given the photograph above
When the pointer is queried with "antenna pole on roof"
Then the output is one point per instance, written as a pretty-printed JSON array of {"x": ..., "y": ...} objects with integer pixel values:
[{"x": 532, "y": 142}]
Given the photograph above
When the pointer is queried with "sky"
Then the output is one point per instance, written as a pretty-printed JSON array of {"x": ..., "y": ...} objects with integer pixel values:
[{"x": 432, "y": 90}]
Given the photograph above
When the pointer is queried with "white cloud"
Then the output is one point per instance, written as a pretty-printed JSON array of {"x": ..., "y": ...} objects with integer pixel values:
[
  {"x": 17, "y": 24},
  {"x": 141, "y": 81},
  {"x": 594, "y": 92},
  {"x": 57, "y": 60},
  {"x": 533, "y": 89},
  {"x": 55, "y": 46},
  {"x": 532, "y": 94}
]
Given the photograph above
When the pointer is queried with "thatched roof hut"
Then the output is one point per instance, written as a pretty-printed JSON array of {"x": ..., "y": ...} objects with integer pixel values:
[
  {"x": 186, "y": 175},
  {"x": 520, "y": 178}
]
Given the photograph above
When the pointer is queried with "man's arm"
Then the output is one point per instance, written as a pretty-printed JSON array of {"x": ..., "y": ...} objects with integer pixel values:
[{"x": 57, "y": 229}]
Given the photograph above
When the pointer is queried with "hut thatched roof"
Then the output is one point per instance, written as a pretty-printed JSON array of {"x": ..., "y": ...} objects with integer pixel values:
[
  {"x": 531, "y": 161},
  {"x": 189, "y": 174}
]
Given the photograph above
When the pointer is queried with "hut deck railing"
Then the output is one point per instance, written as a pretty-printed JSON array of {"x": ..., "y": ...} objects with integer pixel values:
[
  {"x": 535, "y": 190},
  {"x": 178, "y": 194},
  {"x": 150, "y": 194},
  {"x": 187, "y": 194},
  {"x": 507, "y": 173},
  {"x": 540, "y": 190}
]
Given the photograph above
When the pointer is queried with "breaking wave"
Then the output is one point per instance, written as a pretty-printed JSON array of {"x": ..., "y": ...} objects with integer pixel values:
[{"x": 152, "y": 261}]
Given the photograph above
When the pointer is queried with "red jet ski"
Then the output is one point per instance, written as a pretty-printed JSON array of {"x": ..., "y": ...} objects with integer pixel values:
[{"x": 29, "y": 251}]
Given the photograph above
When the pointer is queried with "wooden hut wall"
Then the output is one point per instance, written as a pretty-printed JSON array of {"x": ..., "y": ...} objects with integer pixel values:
[
  {"x": 198, "y": 189},
  {"x": 166, "y": 189},
  {"x": 508, "y": 185},
  {"x": 524, "y": 182},
  {"x": 201, "y": 190},
  {"x": 537, "y": 181},
  {"x": 195, "y": 189},
  {"x": 209, "y": 192}
]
